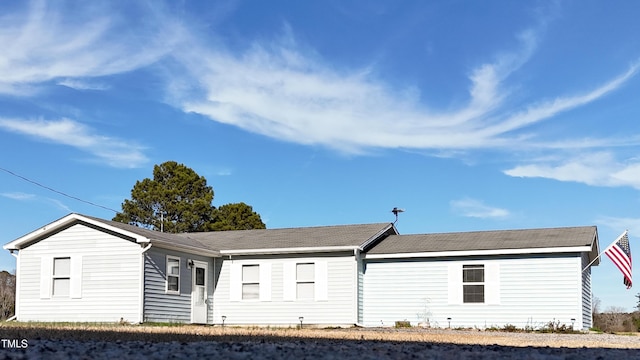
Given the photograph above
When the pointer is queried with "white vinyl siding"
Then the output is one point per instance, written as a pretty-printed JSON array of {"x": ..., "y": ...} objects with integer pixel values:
[
  {"x": 333, "y": 288},
  {"x": 521, "y": 291},
  {"x": 104, "y": 278}
]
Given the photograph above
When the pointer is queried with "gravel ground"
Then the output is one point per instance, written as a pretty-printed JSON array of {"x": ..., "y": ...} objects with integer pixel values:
[{"x": 597, "y": 346}]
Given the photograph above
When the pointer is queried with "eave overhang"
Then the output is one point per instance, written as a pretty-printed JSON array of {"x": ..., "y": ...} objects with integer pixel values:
[
  {"x": 69, "y": 220},
  {"x": 467, "y": 253},
  {"x": 300, "y": 250}
]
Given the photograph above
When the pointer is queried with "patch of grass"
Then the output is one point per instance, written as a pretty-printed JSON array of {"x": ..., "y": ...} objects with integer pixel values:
[
  {"x": 163, "y": 324},
  {"x": 403, "y": 324},
  {"x": 192, "y": 333}
]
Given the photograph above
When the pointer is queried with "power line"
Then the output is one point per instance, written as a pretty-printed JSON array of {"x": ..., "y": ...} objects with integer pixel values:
[{"x": 56, "y": 191}]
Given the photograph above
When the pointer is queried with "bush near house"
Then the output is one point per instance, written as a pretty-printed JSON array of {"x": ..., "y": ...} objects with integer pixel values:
[
  {"x": 617, "y": 321},
  {"x": 7, "y": 294}
]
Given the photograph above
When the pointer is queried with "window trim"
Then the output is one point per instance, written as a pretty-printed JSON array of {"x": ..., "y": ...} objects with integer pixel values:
[
  {"x": 55, "y": 277},
  {"x": 168, "y": 274},
  {"x": 306, "y": 281},
  {"x": 482, "y": 283},
  {"x": 243, "y": 282}
]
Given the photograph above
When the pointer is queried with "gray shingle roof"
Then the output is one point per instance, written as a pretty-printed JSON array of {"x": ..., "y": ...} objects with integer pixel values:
[
  {"x": 156, "y": 236},
  {"x": 486, "y": 240},
  {"x": 376, "y": 239},
  {"x": 307, "y": 237}
]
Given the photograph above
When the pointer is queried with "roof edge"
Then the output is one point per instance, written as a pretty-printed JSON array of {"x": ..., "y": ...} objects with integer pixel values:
[
  {"x": 289, "y": 250},
  {"x": 478, "y": 252},
  {"x": 64, "y": 221},
  {"x": 376, "y": 236}
]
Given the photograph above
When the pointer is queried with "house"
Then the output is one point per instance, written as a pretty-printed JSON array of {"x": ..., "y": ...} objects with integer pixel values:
[
  {"x": 524, "y": 278},
  {"x": 81, "y": 268}
]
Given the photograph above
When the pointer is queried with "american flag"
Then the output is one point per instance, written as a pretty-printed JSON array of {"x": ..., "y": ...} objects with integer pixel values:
[{"x": 620, "y": 253}]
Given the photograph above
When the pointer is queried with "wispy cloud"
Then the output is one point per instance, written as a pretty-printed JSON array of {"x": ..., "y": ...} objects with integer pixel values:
[
  {"x": 619, "y": 224},
  {"x": 596, "y": 169},
  {"x": 113, "y": 151},
  {"x": 60, "y": 205},
  {"x": 18, "y": 196},
  {"x": 83, "y": 84},
  {"x": 277, "y": 88},
  {"x": 50, "y": 41},
  {"x": 279, "y": 91},
  {"x": 477, "y": 209},
  {"x": 224, "y": 172}
]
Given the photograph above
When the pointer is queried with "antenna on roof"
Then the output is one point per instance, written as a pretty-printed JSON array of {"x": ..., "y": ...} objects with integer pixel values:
[{"x": 395, "y": 212}]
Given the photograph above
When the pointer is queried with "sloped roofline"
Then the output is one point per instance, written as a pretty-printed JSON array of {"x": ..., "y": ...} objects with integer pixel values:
[
  {"x": 290, "y": 250},
  {"x": 394, "y": 246},
  {"x": 63, "y": 222},
  {"x": 184, "y": 242}
]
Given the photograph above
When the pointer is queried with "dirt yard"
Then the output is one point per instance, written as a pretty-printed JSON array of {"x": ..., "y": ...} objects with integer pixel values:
[{"x": 193, "y": 333}]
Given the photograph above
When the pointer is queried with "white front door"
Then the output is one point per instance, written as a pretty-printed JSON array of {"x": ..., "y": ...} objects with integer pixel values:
[{"x": 199, "y": 293}]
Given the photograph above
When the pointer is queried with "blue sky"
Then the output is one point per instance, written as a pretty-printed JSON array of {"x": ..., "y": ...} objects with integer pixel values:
[{"x": 469, "y": 115}]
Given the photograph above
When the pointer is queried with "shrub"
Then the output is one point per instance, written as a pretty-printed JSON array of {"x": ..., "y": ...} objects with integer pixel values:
[
  {"x": 557, "y": 327},
  {"x": 510, "y": 328},
  {"x": 616, "y": 320}
]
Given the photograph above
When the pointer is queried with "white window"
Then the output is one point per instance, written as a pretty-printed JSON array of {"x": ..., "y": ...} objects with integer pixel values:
[
  {"x": 61, "y": 276},
  {"x": 473, "y": 283},
  {"x": 173, "y": 275},
  {"x": 250, "y": 282},
  {"x": 305, "y": 281}
]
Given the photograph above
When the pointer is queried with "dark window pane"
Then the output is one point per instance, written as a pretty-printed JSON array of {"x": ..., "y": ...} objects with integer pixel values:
[
  {"x": 473, "y": 293},
  {"x": 172, "y": 283},
  {"x": 473, "y": 273},
  {"x": 200, "y": 276}
]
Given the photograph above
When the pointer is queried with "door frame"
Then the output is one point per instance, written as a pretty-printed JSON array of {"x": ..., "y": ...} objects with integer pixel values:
[{"x": 205, "y": 265}]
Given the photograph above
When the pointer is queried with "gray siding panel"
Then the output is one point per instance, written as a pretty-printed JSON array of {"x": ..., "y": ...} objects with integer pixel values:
[
  {"x": 528, "y": 292},
  {"x": 587, "y": 296},
  {"x": 360, "y": 291},
  {"x": 160, "y": 306}
]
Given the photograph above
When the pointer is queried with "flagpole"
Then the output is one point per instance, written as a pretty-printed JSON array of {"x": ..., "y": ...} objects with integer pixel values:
[{"x": 605, "y": 250}]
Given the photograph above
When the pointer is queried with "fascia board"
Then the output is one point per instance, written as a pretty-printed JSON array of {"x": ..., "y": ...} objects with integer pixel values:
[
  {"x": 16, "y": 244},
  {"x": 478, "y": 252},
  {"x": 377, "y": 236},
  {"x": 288, "y": 250}
]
